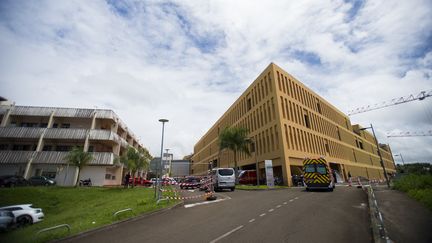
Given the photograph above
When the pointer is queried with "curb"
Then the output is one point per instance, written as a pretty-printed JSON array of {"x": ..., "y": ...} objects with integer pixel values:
[
  {"x": 379, "y": 232},
  {"x": 115, "y": 224}
]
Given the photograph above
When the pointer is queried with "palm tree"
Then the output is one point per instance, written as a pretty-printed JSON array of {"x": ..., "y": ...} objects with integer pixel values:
[
  {"x": 78, "y": 158},
  {"x": 136, "y": 159},
  {"x": 235, "y": 139}
]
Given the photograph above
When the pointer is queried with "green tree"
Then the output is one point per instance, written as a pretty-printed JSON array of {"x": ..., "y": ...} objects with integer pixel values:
[
  {"x": 135, "y": 160},
  {"x": 78, "y": 158},
  {"x": 235, "y": 139}
]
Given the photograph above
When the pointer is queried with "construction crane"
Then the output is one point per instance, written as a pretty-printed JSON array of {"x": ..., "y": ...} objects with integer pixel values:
[
  {"x": 396, "y": 101},
  {"x": 410, "y": 134}
]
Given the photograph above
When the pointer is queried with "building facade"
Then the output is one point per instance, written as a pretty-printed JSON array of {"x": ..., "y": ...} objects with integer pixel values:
[
  {"x": 287, "y": 123},
  {"x": 35, "y": 141}
]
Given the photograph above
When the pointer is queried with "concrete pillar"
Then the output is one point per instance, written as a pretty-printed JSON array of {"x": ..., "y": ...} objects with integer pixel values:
[
  {"x": 51, "y": 120},
  {"x": 5, "y": 119},
  {"x": 92, "y": 126},
  {"x": 114, "y": 127},
  {"x": 39, "y": 147},
  {"x": 116, "y": 149}
]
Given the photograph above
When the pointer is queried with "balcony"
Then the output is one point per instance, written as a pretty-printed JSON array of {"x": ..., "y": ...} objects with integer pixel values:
[
  {"x": 107, "y": 135},
  {"x": 51, "y": 157},
  {"x": 21, "y": 132}
]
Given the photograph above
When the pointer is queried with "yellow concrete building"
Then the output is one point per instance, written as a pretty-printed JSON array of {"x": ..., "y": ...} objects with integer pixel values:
[{"x": 288, "y": 122}]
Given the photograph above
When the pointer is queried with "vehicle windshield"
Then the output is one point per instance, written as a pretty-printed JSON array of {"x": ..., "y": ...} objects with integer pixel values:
[
  {"x": 321, "y": 169},
  {"x": 309, "y": 168},
  {"x": 226, "y": 172}
]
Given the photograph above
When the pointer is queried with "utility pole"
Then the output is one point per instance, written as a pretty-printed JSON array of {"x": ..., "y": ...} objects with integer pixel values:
[{"x": 379, "y": 154}]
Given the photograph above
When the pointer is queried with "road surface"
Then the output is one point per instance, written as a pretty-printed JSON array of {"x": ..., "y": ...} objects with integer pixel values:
[{"x": 287, "y": 215}]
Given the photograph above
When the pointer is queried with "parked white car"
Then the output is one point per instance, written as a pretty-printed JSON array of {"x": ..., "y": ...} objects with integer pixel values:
[{"x": 25, "y": 214}]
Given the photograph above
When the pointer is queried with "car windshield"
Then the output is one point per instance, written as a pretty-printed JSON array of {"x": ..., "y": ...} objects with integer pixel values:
[
  {"x": 321, "y": 169},
  {"x": 226, "y": 172},
  {"x": 309, "y": 168}
]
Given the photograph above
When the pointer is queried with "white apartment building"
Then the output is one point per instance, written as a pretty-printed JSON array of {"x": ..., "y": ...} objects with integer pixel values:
[{"x": 35, "y": 141}]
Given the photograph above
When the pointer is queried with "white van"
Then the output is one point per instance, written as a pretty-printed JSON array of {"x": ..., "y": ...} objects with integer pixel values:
[{"x": 223, "y": 178}]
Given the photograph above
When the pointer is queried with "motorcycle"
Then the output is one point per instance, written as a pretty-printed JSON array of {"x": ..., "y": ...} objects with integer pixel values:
[{"x": 85, "y": 182}]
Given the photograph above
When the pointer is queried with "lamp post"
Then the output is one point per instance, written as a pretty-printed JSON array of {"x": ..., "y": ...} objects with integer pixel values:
[
  {"x": 400, "y": 155},
  {"x": 379, "y": 153},
  {"x": 157, "y": 187}
]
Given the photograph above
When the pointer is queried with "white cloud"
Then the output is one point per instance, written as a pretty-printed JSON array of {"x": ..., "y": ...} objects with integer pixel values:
[{"x": 189, "y": 60}]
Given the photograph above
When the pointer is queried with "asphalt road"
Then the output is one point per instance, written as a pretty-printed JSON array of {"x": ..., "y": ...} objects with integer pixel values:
[{"x": 288, "y": 215}]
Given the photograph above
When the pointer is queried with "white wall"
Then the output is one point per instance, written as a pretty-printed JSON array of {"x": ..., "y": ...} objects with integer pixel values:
[{"x": 95, "y": 173}]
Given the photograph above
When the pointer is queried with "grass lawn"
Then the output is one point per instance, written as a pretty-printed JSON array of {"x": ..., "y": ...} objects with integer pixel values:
[
  {"x": 418, "y": 187},
  {"x": 260, "y": 187},
  {"x": 81, "y": 208}
]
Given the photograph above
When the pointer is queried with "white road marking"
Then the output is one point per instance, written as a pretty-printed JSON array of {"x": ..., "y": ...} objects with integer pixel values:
[
  {"x": 291, "y": 200},
  {"x": 226, "y": 234},
  {"x": 250, "y": 221},
  {"x": 285, "y": 203},
  {"x": 191, "y": 190},
  {"x": 296, "y": 198},
  {"x": 271, "y": 210},
  {"x": 263, "y": 214},
  {"x": 278, "y": 206},
  {"x": 207, "y": 202}
]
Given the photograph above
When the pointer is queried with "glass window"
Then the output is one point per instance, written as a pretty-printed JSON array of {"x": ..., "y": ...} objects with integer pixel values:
[
  {"x": 322, "y": 169},
  {"x": 309, "y": 168},
  {"x": 226, "y": 172}
]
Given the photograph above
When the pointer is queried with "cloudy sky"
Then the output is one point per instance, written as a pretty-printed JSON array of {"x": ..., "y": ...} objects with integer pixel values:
[{"x": 188, "y": 61}]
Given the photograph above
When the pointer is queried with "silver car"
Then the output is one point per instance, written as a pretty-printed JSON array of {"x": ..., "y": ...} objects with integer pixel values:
[
  {"x": 6, "y": 219},
  {"x": 25, "y": 214}
]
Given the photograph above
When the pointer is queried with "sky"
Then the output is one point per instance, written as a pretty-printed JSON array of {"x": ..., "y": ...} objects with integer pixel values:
[{"x": 188, "y": 61}]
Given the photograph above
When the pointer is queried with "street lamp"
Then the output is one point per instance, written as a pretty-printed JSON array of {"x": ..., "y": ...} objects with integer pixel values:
[
  {"x": 157, "y": 191},
  {"x": 400, "y": 155},
  {"x": 379, "y": 153}
]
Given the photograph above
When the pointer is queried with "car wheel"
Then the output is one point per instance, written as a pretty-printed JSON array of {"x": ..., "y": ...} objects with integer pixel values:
[
  {"x": 232, "y": 189},
  {"x": 330, "y": 189},
  {"x": 24, "y": 220}
]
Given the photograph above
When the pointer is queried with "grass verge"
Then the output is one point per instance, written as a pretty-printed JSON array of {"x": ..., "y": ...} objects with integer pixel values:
[
  {"x": 416, "y": 186},
  {"x": 82, "y": 208},
  {"x": 260, "y": 187}
]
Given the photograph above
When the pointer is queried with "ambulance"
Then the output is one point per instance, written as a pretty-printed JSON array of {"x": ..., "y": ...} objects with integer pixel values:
[{"x": 317, "y": 175}]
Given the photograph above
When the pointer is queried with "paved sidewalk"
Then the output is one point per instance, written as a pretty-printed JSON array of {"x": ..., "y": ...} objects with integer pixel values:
[{"x": 405, "y": 219}]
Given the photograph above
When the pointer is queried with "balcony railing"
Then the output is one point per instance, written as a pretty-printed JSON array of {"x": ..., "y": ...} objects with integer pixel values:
[
  {"x": 66, "y": 133},
  {"x": 15, "y": 157},
  {"x": 21, "y": 132},
  {"x": 55, "y": 157},
  {"x": 51, "y": 157}
]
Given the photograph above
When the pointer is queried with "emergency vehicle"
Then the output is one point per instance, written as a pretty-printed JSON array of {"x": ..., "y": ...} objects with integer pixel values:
[{"x": 317, "y": 174}]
